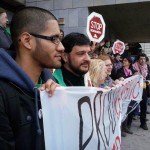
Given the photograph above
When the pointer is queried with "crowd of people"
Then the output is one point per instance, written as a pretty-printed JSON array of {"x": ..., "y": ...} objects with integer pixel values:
[{"x": 38, "y": 47}]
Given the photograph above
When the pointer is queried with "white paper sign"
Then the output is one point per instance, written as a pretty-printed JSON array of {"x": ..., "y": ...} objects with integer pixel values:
[{"x": 87, "y": 118}]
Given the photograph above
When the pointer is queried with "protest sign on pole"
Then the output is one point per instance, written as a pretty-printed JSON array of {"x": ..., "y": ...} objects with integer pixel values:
[
  {"x": 87, "y": 118},
  {"x": 95, "y": 27},
  {"x": 118, "y": 47}
]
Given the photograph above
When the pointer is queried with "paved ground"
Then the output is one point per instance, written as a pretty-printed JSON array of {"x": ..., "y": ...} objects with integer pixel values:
[{"x": 140, "y": 139}]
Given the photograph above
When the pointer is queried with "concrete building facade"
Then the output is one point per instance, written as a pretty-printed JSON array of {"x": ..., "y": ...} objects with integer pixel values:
[
  {"x": 127, "y": 20},
  {"x": 130, "y": 26},
  {"x": 75, "y": 12}
]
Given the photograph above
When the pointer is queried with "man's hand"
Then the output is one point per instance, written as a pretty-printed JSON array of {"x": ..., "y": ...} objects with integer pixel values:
[
  {"x": 107, "y": 87},
  {"x": 121, "y": 79},
  {"x": 49, "y": 87},
  {"x": 116, "y": 82},
  {"x": 148, "y": 82}
]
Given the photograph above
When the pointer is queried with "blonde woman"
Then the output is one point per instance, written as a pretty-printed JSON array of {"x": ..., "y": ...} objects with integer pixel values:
[{"x": 97, "y": 72}]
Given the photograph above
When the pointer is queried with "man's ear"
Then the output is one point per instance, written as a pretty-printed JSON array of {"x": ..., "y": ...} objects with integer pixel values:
[
  {"x": 65, "y": 57},
  {"x": 25, "y": 40}
]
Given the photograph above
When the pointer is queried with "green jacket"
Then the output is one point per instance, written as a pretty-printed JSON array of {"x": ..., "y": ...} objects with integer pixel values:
[{"x": 59, "y": 77}]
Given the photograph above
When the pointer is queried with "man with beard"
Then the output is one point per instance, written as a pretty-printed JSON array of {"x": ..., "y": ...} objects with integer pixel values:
[
  {"x": 38, "y": 46},
  {"x": 75, "y": 59}
]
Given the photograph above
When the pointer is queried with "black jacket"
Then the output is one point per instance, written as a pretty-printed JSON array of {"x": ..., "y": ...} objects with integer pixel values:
[
  {"x": 5, "y": 39},
  {"x": 121, "y": 73},
  {"x": 68, "y": 78},
  {"x": 19, "y": 121}
]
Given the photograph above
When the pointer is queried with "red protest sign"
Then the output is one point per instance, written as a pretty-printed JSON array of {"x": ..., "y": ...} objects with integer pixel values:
[
  {"x": 95, "y": 27},
  {"x": 118, "y": 47}
]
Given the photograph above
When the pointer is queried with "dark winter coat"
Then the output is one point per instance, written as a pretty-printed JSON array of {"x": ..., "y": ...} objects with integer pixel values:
[
  {"x": 121, "y": 73},
  {"x": 5, "y": 39},
  {"x": 19, "y": 105}
]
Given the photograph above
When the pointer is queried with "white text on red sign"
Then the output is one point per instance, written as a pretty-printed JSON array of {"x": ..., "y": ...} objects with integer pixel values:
[{"x": 96, "y": 25}]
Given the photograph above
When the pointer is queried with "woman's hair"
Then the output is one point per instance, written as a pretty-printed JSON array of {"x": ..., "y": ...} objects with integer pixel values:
[
  {"x": 105, "y": 57},
  {"x": 129, "y": 60},
  {"x": 96, "y": 71}
]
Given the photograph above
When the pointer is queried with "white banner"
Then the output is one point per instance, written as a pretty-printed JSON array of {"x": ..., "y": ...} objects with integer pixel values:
[{"x": 87, "y": 118}]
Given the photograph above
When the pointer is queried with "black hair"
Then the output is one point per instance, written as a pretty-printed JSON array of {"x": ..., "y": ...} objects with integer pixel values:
[
  {"x": 74, "y": 39},
  {"x": 141, "y": 55},
  {"x": 147, "y": 59},
  {"x": 130, "y": 61},
  {"x": 117, "y": 54},
  {"x": 62, "y": 36},
  {"x": 2, "y": 10},
  {"x": 107, "y": 40},
  {"x": 61, "y": 31},
  {"x": 29, "y": 19},
  {"x": 92, "y": 43}
]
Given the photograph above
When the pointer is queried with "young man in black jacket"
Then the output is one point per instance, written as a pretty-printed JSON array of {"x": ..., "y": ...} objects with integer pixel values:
[{"x": 37, "y": 45}]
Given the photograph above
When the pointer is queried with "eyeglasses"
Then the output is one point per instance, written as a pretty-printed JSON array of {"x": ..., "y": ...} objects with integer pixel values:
[{"x": 54, "y": 39}]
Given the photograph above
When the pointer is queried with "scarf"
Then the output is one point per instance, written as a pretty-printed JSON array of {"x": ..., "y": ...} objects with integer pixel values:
[
  {"x": 141, "y": 69},
  {"x": 127, "y": 72}
]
